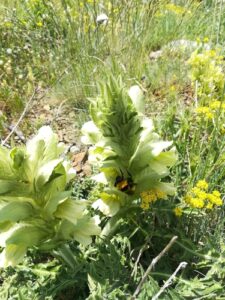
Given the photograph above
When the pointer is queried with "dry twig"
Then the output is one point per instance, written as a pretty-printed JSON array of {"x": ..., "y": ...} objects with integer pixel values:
[
  {"x": 182, "y": 265},
  {"x": 151, "y": 266},
  {"x": 20, "y": 118}
]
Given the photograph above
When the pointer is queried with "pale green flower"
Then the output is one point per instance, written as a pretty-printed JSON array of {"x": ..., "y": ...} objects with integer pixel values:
[
  {"x": 36, "y": 210},
  {"x": 131, "y": 157}
]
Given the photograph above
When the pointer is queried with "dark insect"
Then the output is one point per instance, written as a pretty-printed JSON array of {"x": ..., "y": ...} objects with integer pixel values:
[{"x": 125, "y": 185}]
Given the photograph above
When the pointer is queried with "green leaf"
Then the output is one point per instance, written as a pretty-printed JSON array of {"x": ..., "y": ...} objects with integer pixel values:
[
  {"x": 27, "y": 235},
  {"x": 44, "y": 146},
  {"x": 6, "y": 168},
  {"x": 18, "y": 156},
  {"x": 45, "y": 172},
  {"x": 12, "y": 255},
  {"x": 85, "y": 228},
  {"x": 15, "y": 211},
  {"x": 14, "y": 187},
  {"x": 70, "y": 210},
  {"x": 7, "y": 186},
  {"x": 55, "y": 200}
]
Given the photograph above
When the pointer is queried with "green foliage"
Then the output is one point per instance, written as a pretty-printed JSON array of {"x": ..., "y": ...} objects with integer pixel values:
[
  {"x": 126, "y": 149},
  {"x": 59, "y": 44},
  {"x": 207, "y": 74},
  {"x": 35, "y": 207}
]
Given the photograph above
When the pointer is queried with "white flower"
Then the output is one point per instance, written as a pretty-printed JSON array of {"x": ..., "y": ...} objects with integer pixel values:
[
  {"x": 108, "y": 208},
  {"x": 91, "y": 133},
  {"x": 137, "y": 98},
  {"x": 102, "y": 19},
  {"x": 9, "y": 51}
]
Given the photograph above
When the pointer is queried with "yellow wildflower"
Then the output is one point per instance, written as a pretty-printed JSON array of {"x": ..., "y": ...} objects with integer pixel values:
[
  {"x": 216, "y": 193},
  {"x": 207, "y": 69},
  {"x": 147, "y": 198},
  {"x": 178, "y": 10},
  {"x": 209, "y": 115},
  {"x": 160, "y": 194},
  {"x": 196, "y": 190},
  {"x": 202, "y": 195},
  {"x": 178, "y": 211},
  {"x": 202, "y": 184},
  {"x": 205, "y": 111},
  {"x": 209, "y": 205},
  {"x": 198, "y": 198},
  {"x": 215, "y": 200},
  {"x": 187, "y": 199},
  {"x": 197, "y": 203},
  {"x": 211, "y": 53},
  {"x": 8, "y": 24},
  {"x": 151, "y": 196},
  {"x": 145, "y": 205},
  {"x": 158, "y": 14},
  {"x": 218, "y": 202},
  {"x": 172, "y": 88},
  {"x": 206, "y": 39},
  {"x": 202, "y": 110},
  {"x": 215, "y": 104},
  {"x": 39, "y": 24}
]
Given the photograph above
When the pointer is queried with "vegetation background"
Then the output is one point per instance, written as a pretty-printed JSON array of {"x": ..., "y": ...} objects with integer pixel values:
[{"x": 58, "y": 52}]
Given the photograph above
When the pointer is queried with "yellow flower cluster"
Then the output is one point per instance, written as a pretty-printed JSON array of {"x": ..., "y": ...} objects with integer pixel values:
[
  {"x": 39, "y": 24},
  {"x": 8, "y": 24},
  {"x": 178, "y": 211},
  {"x": 204, "y": 111},
  {"x": 172, "y": 8},
  {"x": 204, "y": 40},
  {"x": 209, "y": 111},
  {"x": 151, "y": 196},
  {"x": 198, "y": 197},
  {"x": 177, "y": 9},
  {"x": 207, "y": 70}
]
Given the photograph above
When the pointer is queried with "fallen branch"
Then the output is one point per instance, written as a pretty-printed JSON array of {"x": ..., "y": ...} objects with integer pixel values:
[
  {"x": 20, "y": 118},
  {"x": 138, "y": 258},
  {"x": 17, "y": 132},
  {"x": 182, "y": 265},
  {"x": 151, "y": 266},
  {"x": 36, "y": 90}
]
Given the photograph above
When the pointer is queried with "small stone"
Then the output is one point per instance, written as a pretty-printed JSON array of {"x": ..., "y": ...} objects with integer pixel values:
[
  {"x": 47, "y": 107},
  {"x": 71, "y": 115},
  {"x": 155, "y": 55},
  {"x": 74, "y": 149},
  {"x": 87, "y": 169}
]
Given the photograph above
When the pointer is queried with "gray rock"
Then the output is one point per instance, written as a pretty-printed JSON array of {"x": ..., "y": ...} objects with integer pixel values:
[
  {"x": 177, "y": 46},
  {"x": 74, "y": 149}
]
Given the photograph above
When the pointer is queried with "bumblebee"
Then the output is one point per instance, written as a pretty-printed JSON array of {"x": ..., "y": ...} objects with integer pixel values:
[{"x": 125, "y": 185}]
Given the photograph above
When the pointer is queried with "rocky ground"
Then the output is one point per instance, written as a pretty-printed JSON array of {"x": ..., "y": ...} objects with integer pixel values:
[{"x": 65, "y": 121}]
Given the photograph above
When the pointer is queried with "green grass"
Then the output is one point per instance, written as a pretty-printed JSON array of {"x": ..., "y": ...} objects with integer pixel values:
[{"x": 57, "y": 45}]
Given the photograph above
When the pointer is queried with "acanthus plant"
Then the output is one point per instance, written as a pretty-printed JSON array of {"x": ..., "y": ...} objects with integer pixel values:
[
  {"x": 131, "y": 157},
  {"x": 36, "y": 209}
]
